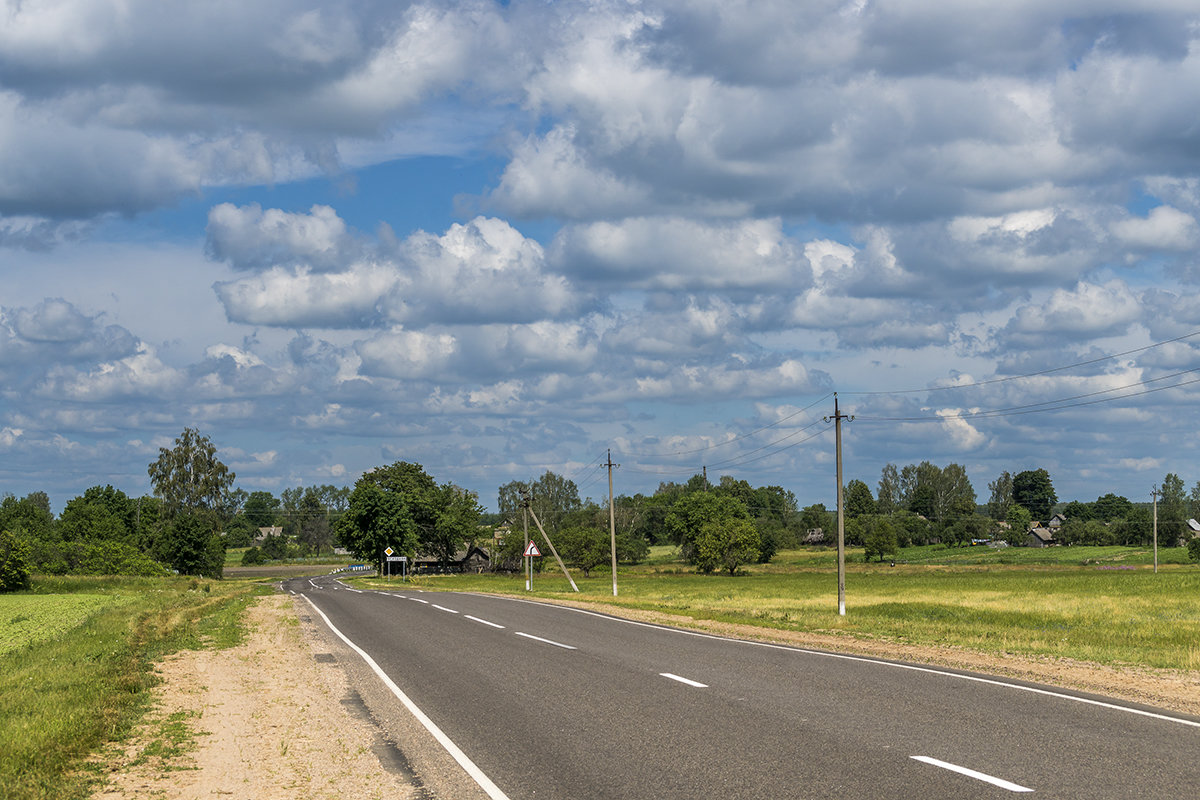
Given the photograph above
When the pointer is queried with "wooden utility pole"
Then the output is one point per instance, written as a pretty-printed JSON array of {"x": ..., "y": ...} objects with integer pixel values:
[
  {"x": 525, "y": 544},
  {"x": 1154, "y": 493},
  {"x": 841, "y": 519},
  {"x": 612, "y": 522}
]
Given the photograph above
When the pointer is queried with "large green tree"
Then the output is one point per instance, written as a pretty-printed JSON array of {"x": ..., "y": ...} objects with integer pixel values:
[
  {"x": 726, "y": 542},
  {"x": 456, "y": 522},
  {"x": 1111, "y": 507},
  {"x": 402, "y": 506},
  {"x": 552, "y": 497},
  {"x": 890, "y": 497},
  {"x": 189, "y": 476},
  {"x": 377, "y": 518},
  {"x": 1002, "y": 496},
  {"x": 1033, "y": 490},
  {"x": 260, "y": 509},
  {"x": 1172, "y": 510},
  {"x": 584, "y": 547},
  {"x": 692, "y": 512},
  {"x": 858, "y": 499},
  {"x": 879, "y": 539}
]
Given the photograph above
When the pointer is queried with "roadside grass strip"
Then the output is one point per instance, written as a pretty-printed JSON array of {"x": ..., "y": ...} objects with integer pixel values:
[
  {"x": 64, "y": 696},
  {"x": 1061, "y": 610}
]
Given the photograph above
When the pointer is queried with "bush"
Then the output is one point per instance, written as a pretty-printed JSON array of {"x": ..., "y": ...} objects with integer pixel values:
[
  {"x": 1193, "y": 548},
  {"x": 253, "y": 557},
  {"x": 14, "y": 563}
]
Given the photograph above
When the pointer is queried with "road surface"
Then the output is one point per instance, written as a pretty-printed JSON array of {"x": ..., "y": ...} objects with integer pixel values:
[{"x": 545, "y": 701}]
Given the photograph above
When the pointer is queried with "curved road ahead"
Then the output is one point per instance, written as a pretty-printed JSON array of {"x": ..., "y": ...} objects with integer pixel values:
[{"x": 553, "y": 702}]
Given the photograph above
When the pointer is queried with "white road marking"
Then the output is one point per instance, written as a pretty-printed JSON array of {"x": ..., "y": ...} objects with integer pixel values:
[
  {"x": 310, "y": 583},
  {"x": 675, "y": 677},
  {"x": 483, "y": 621},
  {"x": 866, "y": 660},
  {"x": 419, "y": 600},
  {"x": 443, "y": 608},
  {"x": 547, "y": 641},
  {"x": 970, "y": 773},
  {"x": 356, "y": 591},
  {"x": 402, "y": 597},
  {"x": 493, "y": 791}
]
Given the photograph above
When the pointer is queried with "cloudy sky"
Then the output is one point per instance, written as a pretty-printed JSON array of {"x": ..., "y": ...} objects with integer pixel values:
[{"x": 499, "y": 238}]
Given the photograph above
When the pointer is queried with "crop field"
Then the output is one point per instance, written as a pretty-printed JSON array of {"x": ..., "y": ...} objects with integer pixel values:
[
  {"x": 1102, "y": 605},
  {"x": 28, "y": 619}
]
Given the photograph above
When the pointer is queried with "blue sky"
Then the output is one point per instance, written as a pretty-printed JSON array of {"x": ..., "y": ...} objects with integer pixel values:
[{"x": 498, "y": 239}]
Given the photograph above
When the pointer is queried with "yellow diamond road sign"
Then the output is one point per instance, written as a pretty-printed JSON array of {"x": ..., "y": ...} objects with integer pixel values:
[{"x": 389, "y": 551}]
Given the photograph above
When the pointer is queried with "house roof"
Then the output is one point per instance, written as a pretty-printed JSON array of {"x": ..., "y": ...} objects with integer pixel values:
[{"x": 1045, "y": 534}]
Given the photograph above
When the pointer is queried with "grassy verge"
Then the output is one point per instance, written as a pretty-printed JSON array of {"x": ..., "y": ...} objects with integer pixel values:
[
  {"x": 1037, "y": 607},
  {"x": 65, "y": 693}
]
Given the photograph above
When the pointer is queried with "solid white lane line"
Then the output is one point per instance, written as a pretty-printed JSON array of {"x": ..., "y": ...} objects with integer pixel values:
[
  {"x": 483, "y": 621},
  {"x": 443, "y": 608},
  {"x": 547, "y": 641},
  {"x": 970, "y": 773},
  {"x": 866, "y": 660},
  {"x": 419, "y": 600},
  {"x": 493, "y": 791},
  {"x": 675, "y": 677}
]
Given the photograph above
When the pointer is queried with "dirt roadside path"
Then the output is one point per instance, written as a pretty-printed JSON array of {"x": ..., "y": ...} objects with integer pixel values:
[{"x": 275, "y": 717}]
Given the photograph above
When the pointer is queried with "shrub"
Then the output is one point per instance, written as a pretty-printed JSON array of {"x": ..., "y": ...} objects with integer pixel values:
[
  {"x": 14, "y": 563},
  {"x": 1194, "y": 549},
  {"x": 253, "y": 557}
]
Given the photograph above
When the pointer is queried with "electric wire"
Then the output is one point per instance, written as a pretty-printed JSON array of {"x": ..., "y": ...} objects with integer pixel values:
[
  {"x": 1048, "y": 405},
  {"x": 1030, "y": 374},
  {"x": 777, "y": 422}
]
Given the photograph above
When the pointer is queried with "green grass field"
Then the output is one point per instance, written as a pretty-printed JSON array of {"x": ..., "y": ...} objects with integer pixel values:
[
  {"x": 75, "y": 667},
  {"x": 1095, "y": 604}
]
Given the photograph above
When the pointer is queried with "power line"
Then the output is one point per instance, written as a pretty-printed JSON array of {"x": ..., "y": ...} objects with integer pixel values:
[
  {"x": 1061, "y": 404},
  {"x": 730, "y": 441},
  {"x": 1030, "y": 374}
]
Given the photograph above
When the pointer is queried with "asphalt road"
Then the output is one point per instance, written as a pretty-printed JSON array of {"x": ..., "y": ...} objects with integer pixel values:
[{"x": 552, "y": 702}]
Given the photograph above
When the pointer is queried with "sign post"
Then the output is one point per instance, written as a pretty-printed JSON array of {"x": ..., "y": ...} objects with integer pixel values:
[{"x": 531, "y": 550}]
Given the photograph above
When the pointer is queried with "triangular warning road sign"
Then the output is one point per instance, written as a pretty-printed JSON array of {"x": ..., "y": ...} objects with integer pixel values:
[{"x": 532, "y": 550}]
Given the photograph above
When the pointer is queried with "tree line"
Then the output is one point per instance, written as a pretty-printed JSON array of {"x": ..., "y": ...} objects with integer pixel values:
[{"x": 194, "y": 513}]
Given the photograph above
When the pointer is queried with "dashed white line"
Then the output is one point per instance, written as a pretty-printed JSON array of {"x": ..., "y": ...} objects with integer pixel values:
[
  {"x": 970, "y": 773},
  {"x": 443, "y": 608},
  {"x": 547, "y": 641},
  {"x": 419, "y": 600},
  {"x": 867, "y": 660},
  {"x": 483, "y": 621},
  {"x": 688, "y": 681}
]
